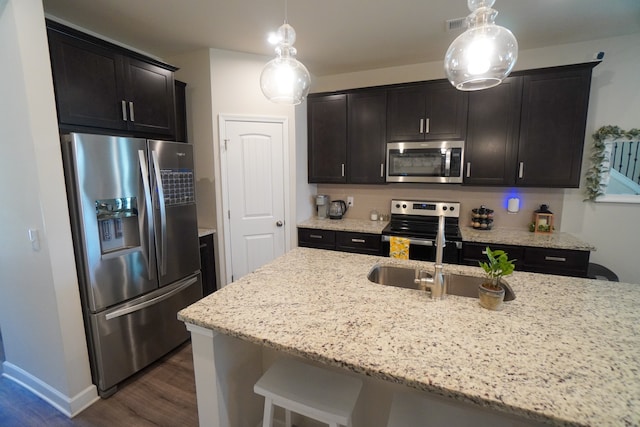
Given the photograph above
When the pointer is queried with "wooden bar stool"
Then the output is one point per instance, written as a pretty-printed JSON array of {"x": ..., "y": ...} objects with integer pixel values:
[{"x": 317, "y": 393}]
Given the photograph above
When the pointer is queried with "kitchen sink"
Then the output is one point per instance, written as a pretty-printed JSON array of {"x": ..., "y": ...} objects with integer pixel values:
[
  {"x": 401, "y": 277},
  {"x": 457, "y": 284}
]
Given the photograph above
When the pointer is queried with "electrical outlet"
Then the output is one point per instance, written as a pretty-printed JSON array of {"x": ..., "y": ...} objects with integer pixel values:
[{"x": 350, "y": 201}]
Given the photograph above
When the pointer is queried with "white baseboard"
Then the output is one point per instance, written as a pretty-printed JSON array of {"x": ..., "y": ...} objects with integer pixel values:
[{"x": 69, "y": 406}]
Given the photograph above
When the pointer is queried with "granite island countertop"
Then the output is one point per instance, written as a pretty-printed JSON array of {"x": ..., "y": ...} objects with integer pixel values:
[{"x": 566, "y": 351}]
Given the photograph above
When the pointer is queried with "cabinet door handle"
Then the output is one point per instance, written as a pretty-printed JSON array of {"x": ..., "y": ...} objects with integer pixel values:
[
  {"x": 468, "y": 169},
  {"x": 555, "y": 258},
  {"x": 133, "y": 119},
  {"x": 315, "y": 236},
  {"x": 421, "y": 125},
  {"x": 343, "y": 169},
  {"x": 428, "y": 128},
  {"x": 381, "y": 170},
  {"x": 358, "y": 240},
  {"x": 521, "y": 170},
  {"x": 124, "y": 110}
]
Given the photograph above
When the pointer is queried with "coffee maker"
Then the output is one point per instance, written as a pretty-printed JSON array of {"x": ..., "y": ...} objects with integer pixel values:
[{"x": 322, "y": 205}]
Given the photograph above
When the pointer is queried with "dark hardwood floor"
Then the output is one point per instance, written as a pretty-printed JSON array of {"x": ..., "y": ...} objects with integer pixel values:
[{"x": 164, "y": 394}]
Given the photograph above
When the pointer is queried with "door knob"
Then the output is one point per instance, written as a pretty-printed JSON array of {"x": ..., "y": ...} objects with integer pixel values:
[{"x": 279, "y": 223}]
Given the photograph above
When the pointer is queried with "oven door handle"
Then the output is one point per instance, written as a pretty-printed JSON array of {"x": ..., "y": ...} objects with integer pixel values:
[
  {"x": 412, "y": 241},
  {"x": 422, "y": 242}
]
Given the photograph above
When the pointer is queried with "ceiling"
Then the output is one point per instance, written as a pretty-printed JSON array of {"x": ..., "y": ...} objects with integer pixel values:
[{"x": 338, "y": 36}]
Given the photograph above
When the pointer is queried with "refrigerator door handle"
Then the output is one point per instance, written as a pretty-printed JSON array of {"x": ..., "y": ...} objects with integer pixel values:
[
  {"x": 163, "y": 213},
  {"x": 137, "y": 307},
  {"x": 149, "y": 210}
]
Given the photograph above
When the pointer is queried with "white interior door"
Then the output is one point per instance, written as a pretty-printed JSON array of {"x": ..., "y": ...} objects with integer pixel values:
[{"x": 253, "y": 154}]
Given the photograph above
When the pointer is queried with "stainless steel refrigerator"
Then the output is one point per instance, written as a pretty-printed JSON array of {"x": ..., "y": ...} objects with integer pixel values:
[{"x": 133, "y": 217}]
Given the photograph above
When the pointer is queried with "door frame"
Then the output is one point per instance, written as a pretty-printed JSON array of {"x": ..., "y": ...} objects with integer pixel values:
[{"x": 222, "y": 200}]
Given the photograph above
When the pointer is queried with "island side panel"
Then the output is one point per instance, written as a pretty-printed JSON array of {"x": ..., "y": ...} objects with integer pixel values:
[{"x": 225, "y": 369}]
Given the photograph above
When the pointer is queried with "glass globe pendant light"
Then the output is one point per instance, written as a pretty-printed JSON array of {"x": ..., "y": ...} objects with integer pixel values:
[
  {"x": 284, "y": 79},
  {"x": 484, "y": 54}
]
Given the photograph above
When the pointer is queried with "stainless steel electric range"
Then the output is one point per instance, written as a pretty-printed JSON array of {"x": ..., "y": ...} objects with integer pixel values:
[{"x": 417, "y": 220}]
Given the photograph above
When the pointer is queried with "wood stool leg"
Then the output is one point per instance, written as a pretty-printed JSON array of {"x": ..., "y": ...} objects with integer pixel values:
[
  {"x": 267, "y": 418},
  {"x": 287, "y": 418}
]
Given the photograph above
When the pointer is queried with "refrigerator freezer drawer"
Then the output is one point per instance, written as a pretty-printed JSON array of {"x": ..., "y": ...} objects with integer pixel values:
[{"x": 129, "y": 337}]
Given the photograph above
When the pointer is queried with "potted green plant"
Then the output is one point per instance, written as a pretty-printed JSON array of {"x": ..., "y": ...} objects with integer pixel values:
[{"x": 491, "y": 292}]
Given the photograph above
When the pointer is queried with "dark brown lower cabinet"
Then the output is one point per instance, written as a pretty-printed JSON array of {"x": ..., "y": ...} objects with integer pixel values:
[
  {"x": 344, "y": 241},
  {"x": 362, "y": 243},
  {"x": 564, "y": 262},
  {"x": 207, "y": 265},
  {"x": 472, "y": 253},
  {"x": 557, "y": 261},
  {"x": 314, "y": 238}
]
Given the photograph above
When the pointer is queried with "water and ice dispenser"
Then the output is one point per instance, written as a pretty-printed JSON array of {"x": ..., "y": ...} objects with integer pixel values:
[{"x": 118, "y": 224}]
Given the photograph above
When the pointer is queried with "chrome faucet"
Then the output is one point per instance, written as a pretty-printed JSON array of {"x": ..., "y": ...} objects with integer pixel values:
[{"x": 436, "y": 285}]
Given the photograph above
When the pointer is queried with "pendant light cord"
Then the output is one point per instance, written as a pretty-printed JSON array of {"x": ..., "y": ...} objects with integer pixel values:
[{"x": 286, "y": 21}]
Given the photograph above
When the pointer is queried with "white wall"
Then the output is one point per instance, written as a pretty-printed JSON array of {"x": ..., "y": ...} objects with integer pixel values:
[
  {"x": 234, "y": 90},
  {"x": 305, "y": 194},
  {"x": 40, "y": 314},
  {"x": 615, "y": 100},
  {"x": 195, "y": 71}
]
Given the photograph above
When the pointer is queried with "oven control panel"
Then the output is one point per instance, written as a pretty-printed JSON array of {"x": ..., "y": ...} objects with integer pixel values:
[{"x": 425, "y": 208}]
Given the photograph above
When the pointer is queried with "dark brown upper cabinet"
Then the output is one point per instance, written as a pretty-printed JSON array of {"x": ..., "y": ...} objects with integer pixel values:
[
  {"x": 347, "y": 137},
  {"x": 552, "y": 126},
  {"x": 529, "y": 130},
  {"x": 366, "y": 137},
  {"x": 327, "y": 138},
  {"x": 181, "y": 111},
  {"x": 492, "y": 134},
  {"x": 103, "y": 87},
  {"x": 426, "y": 111}
]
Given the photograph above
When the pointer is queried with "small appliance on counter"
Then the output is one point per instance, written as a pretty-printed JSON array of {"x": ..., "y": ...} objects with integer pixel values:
[
  {"x": 337, "y": 209},
  {"x": 322, "y": 205},
  {"x": 482, "y": 218}
]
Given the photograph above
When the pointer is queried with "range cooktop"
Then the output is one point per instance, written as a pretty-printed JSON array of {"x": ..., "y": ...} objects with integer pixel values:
[{"x": 419, "y": 219}]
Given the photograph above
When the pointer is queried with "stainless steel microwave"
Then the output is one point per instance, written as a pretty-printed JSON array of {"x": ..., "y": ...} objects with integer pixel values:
[{"x": 425, "y": 161}]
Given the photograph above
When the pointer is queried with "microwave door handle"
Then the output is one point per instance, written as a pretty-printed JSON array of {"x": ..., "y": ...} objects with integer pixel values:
[
  {"x": 447, "y": 163},
  {"x": 163, "y": 213},
  {"x": 148, "y": 208}
]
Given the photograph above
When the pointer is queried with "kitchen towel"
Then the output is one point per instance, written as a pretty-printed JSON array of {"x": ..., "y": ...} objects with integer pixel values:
[{"x": 399, "y": 247}]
